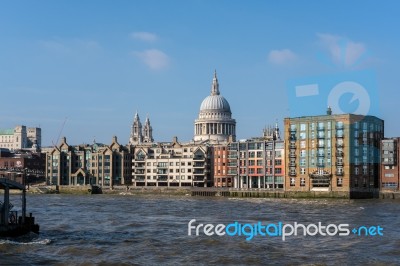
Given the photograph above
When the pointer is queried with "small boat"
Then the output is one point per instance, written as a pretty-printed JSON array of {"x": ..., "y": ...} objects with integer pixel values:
[
  {"x": 95, "y": 189},
  {"x": 12, "y": 225}
]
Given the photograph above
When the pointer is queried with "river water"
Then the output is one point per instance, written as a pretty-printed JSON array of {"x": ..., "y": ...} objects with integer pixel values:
[{"x": 153, "y": 230}]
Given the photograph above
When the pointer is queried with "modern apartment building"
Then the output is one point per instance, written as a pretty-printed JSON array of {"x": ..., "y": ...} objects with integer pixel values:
[
  {"x": 220, "y": 166},
  {"x": 333, "y": 153},
  {"x": 257, "y": 163},
  {"x": 171, "y": 164},
  {"x": 105, "y": 165},
  {"x": 390, "y": 170}
]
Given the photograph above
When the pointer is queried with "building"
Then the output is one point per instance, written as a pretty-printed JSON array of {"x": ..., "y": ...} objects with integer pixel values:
[
  {"x": 171, "y": 164},
  {"x": 258, "y": 163},
  {"x": 337, "y": 153},
  {"x": 141, "y": 134},
  {"x": 220, "y": 166},
  {"x": 215, "y": 123},
  {"x": 105, "y": 165},
  {"x": 18, "y": 163},
  {"x": 20, "y": 137},
  {"x": 390, "y": 170}
]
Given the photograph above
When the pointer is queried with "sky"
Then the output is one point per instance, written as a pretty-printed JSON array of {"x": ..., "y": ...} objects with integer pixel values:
[{"x": 81, "y": 69}]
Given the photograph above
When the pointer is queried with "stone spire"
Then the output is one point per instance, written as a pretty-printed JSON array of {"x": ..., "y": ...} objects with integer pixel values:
[
  {"x": 215, "y": 85},
  {"x": 147, "y": 131},
  {"x": 136, "y": 131}
]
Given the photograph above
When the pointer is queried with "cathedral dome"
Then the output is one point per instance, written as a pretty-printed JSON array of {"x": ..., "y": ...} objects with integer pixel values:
[
  {"x": 215, "y": 122},
  {"x": 215, "y": 103}
]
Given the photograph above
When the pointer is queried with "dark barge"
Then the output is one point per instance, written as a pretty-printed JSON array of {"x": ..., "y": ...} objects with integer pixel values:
[{"x": 12, "y": 225}]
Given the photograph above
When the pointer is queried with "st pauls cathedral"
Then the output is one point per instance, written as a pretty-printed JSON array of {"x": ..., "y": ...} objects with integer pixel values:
[
  {"x": 213, "y": 125},
  {"x": 182, "y": 164}
]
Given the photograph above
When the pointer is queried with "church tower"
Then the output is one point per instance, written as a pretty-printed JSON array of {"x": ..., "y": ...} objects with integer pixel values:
[
  {"x": 147, "y": 131},
  {"x": 136, "y": 131}
]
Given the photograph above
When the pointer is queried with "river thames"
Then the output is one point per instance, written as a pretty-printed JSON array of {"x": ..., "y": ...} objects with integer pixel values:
[{"x": 153, "y": 230}]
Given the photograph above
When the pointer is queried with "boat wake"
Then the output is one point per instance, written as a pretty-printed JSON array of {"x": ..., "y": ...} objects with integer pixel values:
[{"x": 35, "y": 241}]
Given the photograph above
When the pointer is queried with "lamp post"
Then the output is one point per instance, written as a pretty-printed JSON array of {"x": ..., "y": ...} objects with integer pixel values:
[{"x": 24, "y": 195}]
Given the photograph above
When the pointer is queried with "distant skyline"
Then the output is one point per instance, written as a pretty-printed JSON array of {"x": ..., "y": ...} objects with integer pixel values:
[{"x": 94, "y": 64}]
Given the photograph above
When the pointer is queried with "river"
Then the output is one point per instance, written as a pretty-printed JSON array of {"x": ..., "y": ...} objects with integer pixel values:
[{"x": 153, "y": 230}]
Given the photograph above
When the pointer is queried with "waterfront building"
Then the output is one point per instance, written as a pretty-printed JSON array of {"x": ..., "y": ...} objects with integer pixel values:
[
  {"x": 257, "y": 163},
  {"x": 20, "y": 137},
  {"x": 14, "y": 163},
  {"x": 100, "y": 164},
  {"x": 214, "y": 123},
  {"x": 390, "y": 170},
  {"x": 219, "y": 166},
  {"x": 333, "y": 153},
  {"x": 171, "y": 164}
]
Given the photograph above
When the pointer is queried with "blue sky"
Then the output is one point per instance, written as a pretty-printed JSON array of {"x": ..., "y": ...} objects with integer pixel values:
[{"x": 94, "y": 63}]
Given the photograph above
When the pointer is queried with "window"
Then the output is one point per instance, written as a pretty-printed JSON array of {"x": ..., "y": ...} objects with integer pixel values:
[
  {"x": 278, "y": 170},
  {"x": 303, "y": 171},
  {"x": 302, "y": 127},
  {"x": 292, "y": 181},
  {"x": 302, "y": 182}
]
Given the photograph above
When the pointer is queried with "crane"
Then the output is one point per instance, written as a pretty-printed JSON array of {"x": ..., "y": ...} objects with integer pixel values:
[{"x": 59, "y": 134}]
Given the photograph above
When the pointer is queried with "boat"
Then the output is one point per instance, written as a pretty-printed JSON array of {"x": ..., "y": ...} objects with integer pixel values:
[
  {"x": 95, "y": 189},
  {"x": 12, "y": 225}
]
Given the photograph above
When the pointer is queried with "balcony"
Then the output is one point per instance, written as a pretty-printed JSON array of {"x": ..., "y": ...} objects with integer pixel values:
[
  {"x": 198, "y": 165},
  {"x": 339, "y": 163},
  {"x": 320, "y": 145},
  {"x": 292, "y": 155},
  {"x": 339, "y": 145},
  {"x": 292, "y": 174},
  {"x": 320, "y": 129},
  {"x": 339, "y": 173},
  {"x": 292, "y": 164},
  {"x": 320, "y": 165},
  {"x": 321, "y": 155},
  {"x": 162, "y": 178},
  {"x": 140, "y": 172},
  {"x": 198, "y": 172},
  {"x": 339, "y": 154},
  {"x": 320, "y": 136},
  {"x": 292, "y": 146},
  {"x": 198, "y": 158}
]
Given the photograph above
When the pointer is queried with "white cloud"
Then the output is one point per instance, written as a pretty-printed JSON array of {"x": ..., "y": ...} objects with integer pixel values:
[
  {"x": 281, "y": 57},
  {"x": 153, "y": 58},
  {"x": 343, "y": 51},
  {"x": 144, "y": 36}
]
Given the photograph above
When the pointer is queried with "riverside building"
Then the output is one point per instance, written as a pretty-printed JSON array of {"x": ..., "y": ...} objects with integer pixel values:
[
  {"x": 333, "y": 153},
  {"x": 171, "y": 164},
  {"x": 390, "y": 170},
  {"x": 100, "y": 164},
  {"x": 257, "y": 163}
]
